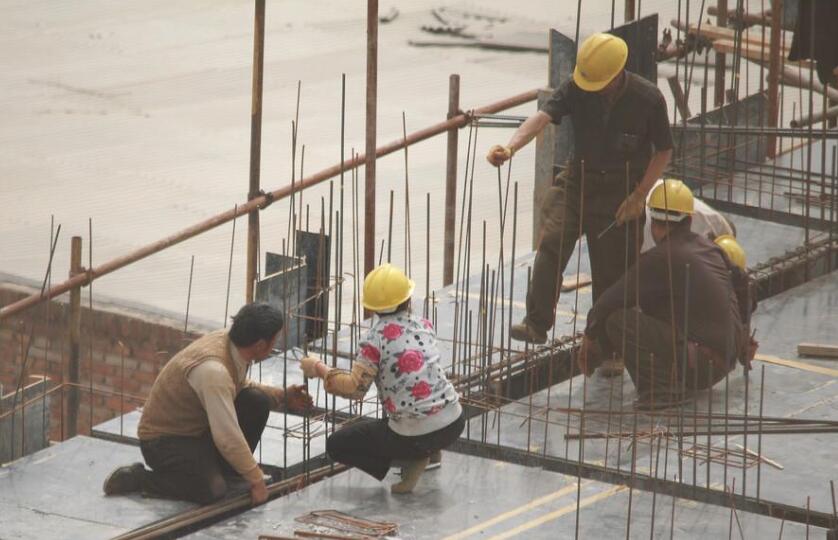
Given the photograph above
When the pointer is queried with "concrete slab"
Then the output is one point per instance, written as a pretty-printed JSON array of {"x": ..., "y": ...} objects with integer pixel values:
[
  {"x": 57, "y": 493},
  {"x": 280, "y": 450},
  {"x": 801, "y": 314},
  {"x": 472, "y": 497}
]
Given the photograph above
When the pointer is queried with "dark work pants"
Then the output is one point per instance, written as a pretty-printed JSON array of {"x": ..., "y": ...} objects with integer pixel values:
[
  {"x": 192, "y": 468},
  {"x": 562, "y": 212},
  {"x": 371, "y": 445},
  {"x": 649, "y": 359}
]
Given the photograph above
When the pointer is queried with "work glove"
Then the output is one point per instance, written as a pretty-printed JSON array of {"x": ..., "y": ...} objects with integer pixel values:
[
  {"x": 631, "y": 208},
  {"x": 588, "y": 357},
  {"x": 309, "y": 366},
  {"x": 499, "y": 154}
]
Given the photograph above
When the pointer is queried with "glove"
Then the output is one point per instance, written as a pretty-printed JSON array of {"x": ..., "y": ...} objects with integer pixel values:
[
  {"x": 588, "y": 356},
  {"x": 499, "y": 154},
  {"x": 309, "y": 366},
  {"x": 631, "y": 208}
]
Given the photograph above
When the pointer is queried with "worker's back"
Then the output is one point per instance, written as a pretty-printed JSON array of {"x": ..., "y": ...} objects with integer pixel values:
[{"x": 701, "y": 291}]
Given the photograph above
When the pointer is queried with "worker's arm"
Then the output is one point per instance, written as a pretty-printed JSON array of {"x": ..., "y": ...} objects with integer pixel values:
[
  {"x": 661, "y": 137},
  {"x": 216, "y": 391},
  {"x": 296, "y": 397},
  {"x": 552, "y": 111},
  {"x": 349, "y": 384}
]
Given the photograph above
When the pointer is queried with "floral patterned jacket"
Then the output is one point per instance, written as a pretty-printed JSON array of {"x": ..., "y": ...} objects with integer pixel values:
[{"x": 400, "y": 355}]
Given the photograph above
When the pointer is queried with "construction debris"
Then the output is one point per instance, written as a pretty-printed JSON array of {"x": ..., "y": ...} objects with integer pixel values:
[{"x": 817, "y": 350}]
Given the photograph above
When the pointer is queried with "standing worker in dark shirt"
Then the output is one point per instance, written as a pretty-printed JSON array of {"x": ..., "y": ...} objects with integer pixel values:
[
  {"x": 681, "y": 290},
  {"x": 622, "y": 145}
]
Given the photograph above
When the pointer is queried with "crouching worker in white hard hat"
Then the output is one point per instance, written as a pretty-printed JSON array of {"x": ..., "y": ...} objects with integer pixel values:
[
  {"x": 400, "y": 355},
  {"x": 675, "y": 316}
]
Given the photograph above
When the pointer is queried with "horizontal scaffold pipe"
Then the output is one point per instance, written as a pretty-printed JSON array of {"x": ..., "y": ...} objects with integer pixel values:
[{"x": 259, "y": 202}]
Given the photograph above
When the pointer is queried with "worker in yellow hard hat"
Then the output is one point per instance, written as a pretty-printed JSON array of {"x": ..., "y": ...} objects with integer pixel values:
[
  {"x": 622, "y": 144},
  {"x": 400, "y": 355},
  {"x": 682, "y": 288}
]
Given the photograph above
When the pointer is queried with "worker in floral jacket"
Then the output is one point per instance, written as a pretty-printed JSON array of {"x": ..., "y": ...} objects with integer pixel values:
[{"x": 399, "y": 354}]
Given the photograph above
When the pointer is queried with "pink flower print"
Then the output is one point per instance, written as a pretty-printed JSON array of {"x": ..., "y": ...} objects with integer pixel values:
[
  {"x": 433, "y": 410},
  {"x": 371, "y": 353},
  {"x": 427, "y": 324},
  {"x": 389, "y": 405},
  {"x": 411, "y": 361},
  {"x": 421, "y": 390},
  {"x": 392, "y": 331}
]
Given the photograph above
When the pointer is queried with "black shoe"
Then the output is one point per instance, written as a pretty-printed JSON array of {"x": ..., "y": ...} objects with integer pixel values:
[
  {"x": 124, "y": 480},
  {"x": 524, "y": 331}
]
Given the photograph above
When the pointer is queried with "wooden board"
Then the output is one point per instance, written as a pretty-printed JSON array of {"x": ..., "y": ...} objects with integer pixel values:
[
  {"x": 817, "y": 350},
  {"x": 575, "y": 281},
  {"x": 796, "y": 365}
]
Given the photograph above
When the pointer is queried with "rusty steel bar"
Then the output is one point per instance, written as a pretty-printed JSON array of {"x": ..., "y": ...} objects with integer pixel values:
[
  {"x": 451, "y": 182},
  {"x": 259, "y": 202},
  {"x": 75, "y": 339},
  {"x": 370, "y": 156},
  {"x": 255, "y": 146},
  {"x": 774, "y": 74}
]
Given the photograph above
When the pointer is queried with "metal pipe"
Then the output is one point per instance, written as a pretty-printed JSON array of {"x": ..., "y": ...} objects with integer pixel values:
[
  {"x": 255, "y": 147},
  {"x": 451, "y": 182},
  {"x": 370, "y": 155},
  {"x": 259, "y": 202}
]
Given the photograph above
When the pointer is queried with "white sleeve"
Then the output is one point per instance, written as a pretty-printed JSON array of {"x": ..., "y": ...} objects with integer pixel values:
[{"x": 215, "y": 389}]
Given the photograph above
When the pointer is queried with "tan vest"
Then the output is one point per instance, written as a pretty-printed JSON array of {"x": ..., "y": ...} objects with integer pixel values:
[{"x": 173, "y": 407}]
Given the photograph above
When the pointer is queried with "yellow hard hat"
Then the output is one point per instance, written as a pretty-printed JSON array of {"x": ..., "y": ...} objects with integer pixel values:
[
  {"x": 671, "y": 200},
  {"x": 733, "y": 250},
  {"x": 601, "y": 58},
  {"x": 386, "y": 287}
]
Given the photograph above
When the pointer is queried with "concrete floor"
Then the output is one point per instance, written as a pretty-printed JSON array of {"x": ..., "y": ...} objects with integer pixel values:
[
  {"x": 57, "y": 493},
  {"x": 472, "y": 497}
]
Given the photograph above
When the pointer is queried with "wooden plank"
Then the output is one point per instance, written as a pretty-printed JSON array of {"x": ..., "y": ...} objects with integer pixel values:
[
  {"x": 576, "y": 281},
  {"x": 755, "y": 52},
  {"x": 768, "y": 359},
  {"x": 713, "y": 33},
  {"x": 817, "y": 350}
]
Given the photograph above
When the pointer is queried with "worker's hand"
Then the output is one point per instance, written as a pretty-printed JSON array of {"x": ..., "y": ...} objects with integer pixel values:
[
  {"x": 258, "y": 492},
  {"x": 587, "y": 357},
  {"x": 632, "y": 208},
  {"x": 750, "y": 353},
  {"x": 298, "y": 398},
  {"x": 309, "y": 366},
  {"x": 499, "y": 154}
]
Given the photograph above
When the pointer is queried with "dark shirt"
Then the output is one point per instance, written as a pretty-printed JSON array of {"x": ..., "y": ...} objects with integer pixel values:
[
  {"x": 714, "y": 318},
  {"x": 815, "y": 36},
  {"x": 606, "y": 134}
]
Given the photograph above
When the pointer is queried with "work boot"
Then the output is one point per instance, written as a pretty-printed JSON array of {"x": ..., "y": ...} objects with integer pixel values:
[
  {"x": 611, "y": 368},
  {"x": 524, "y": 331},
  {"x": 123, "y": 480},
  {"x": 410, "y": 475}
]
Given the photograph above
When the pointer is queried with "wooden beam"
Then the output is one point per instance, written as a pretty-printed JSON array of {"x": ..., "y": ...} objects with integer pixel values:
[
  {"x": 680, "y": 98},
  {"x": 817, "y": 350}
]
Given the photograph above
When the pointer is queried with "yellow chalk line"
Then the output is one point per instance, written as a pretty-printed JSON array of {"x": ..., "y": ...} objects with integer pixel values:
[
  {"x": 514, "y": 512},
  {"x": 796, "y": 365},
  {"x": 558, "y": 513}
]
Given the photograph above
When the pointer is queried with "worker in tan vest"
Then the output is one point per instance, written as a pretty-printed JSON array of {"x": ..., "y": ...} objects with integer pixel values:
[{"x": 204, "y": 417}]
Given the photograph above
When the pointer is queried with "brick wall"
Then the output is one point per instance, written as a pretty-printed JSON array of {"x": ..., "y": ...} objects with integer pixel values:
[{"x": 122, "y": 350}]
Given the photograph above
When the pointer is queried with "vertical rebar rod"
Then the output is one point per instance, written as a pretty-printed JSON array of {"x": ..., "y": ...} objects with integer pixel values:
[
  {"x": 774, "y": 73},
  {"x": 407, "y": 247},
  {"x": 255, "y": 146},
  {"x": 759, "y": 437},
  {"x": 427, "y": 310},
  {"x": 188, "y": 295},
  {"x": 371, "y": 116},
  {"x": 230, "y": 270},
  {"x": 91, "y": 321},
  {"x": 721, "y": 67},
  {"x": 390, "y": 231}
]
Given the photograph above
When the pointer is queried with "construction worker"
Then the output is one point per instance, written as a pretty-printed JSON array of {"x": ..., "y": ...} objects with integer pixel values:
[
  {"x": 706, "y": 221},
  {"x": 203, "y": 417},
  {"x": 622, "y": 144},
  {"x": 679, "y": 298},
  {"x": 400, "y": 355}
]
